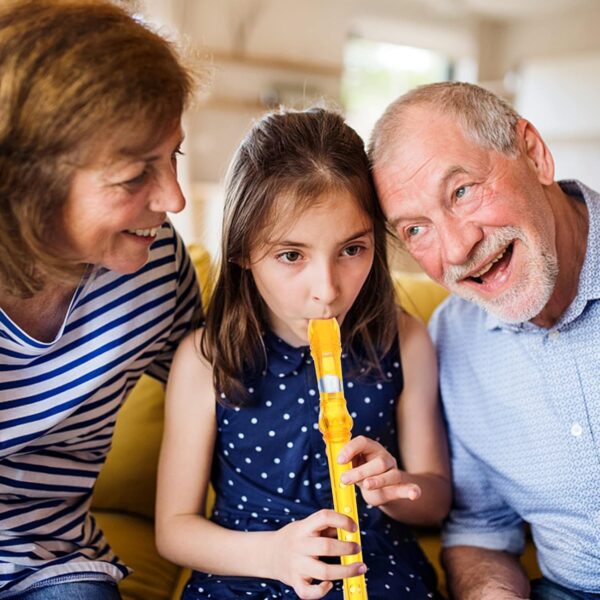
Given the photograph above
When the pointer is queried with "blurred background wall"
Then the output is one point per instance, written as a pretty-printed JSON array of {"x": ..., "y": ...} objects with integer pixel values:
[{"x": 541, "y": 55}]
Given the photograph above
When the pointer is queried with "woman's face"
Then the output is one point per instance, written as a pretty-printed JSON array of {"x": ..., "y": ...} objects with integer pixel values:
[{"x": 114, "y": 209}]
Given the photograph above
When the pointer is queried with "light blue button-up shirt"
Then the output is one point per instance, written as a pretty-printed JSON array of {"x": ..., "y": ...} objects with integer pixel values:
[{"x": 523, "y": 410}]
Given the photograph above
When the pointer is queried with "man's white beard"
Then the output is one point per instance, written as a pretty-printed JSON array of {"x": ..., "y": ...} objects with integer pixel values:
[{"x": 526, "y": 298}]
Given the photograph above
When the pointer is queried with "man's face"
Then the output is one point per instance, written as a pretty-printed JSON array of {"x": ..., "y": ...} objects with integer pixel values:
[{"x": 477, "y": 221}]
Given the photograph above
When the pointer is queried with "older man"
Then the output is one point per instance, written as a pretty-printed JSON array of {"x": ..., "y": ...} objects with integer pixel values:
[{"x": 469, "y": 187}]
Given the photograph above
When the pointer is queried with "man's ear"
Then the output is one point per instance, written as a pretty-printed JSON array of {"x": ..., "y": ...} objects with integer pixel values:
[{"x": 535, "y": 149}]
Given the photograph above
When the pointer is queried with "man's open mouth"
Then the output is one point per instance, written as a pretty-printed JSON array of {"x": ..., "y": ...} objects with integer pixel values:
[{"x": 489, "y": 270}]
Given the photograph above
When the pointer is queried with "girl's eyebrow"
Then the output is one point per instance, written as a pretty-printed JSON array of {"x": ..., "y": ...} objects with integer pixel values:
[
  {"x": 359, "y": 234},
  {"x": 350, "y": 238}
]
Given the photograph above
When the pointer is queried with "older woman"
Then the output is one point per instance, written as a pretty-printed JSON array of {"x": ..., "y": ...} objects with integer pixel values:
[{"x": 95, "y": 285}]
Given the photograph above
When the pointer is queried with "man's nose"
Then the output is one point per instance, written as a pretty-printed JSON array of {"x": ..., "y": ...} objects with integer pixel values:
[
  {"x": 166, "y": 195},
  {"x": 458, "y": 238}
]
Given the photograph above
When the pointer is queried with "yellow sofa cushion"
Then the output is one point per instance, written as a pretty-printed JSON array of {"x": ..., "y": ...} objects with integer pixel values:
[
  {"x": 202, "y": 263},
  {"x": 127, "y": 481},
  {"x": 132, "y": 538},
  {"x": 418, "y": 294}
]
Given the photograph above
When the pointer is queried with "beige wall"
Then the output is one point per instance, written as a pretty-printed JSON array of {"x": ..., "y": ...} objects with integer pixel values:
[{"x": 293, "y": 50}]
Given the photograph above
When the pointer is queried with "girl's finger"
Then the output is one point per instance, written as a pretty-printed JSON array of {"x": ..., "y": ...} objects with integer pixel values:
[
  {"x": 330, "y": 532},
  {"x": 326, "y": 519},
  {"x": 331, "y": 572},
  {"x": 356, "y": 446},
  {"x": 308, "y": 591},
  {"x": 376, "y": 466},
  {"x": 398, "y": 491},
  {"x": 331, "y": 547},
  {"x": 393, "y": 477}
]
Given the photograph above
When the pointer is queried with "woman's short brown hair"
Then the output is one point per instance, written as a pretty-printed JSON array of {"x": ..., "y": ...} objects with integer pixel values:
[{"x": 73, "y": 75}]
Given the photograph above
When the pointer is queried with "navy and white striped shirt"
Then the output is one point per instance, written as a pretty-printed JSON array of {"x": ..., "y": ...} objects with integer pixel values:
[
  {"x": 523, "y": 409},
  {"x": 58, "y": 406}
]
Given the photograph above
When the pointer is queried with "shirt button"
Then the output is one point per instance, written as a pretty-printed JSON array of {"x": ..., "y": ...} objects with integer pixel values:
[
  {"x": 554, "y": 335},
  {"x": 576, "y": 429}
]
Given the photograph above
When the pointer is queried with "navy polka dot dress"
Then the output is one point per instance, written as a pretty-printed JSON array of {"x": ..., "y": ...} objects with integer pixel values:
[{"x": 270, "y": 468}]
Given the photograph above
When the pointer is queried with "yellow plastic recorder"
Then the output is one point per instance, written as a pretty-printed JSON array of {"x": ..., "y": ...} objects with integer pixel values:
[{"x": 335, "y": 424}]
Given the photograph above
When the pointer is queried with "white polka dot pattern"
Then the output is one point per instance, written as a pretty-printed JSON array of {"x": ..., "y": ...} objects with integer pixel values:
[{"x": 288, "y": 479}]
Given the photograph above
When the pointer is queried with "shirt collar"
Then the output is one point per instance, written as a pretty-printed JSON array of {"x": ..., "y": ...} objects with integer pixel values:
[
  {"x": 589, "y": 282},
  {"x": 283, "y": 359}
]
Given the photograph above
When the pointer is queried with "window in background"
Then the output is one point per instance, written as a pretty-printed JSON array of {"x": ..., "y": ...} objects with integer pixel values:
[{"x": 375, "y": 73}]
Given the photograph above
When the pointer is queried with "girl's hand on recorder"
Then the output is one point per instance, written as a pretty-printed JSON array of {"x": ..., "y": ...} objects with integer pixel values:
[
  {"x": 295, "y": 554},
  {"x": 375, "y": 471}
]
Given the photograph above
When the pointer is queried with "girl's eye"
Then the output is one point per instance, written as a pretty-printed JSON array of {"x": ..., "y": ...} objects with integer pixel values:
[
  {"x": 289, "y": 257},
  {"x": 354, "y": 250}
]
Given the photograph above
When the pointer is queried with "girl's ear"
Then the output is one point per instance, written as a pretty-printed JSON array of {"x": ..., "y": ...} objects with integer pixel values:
[{"x": 536, "y": 151}]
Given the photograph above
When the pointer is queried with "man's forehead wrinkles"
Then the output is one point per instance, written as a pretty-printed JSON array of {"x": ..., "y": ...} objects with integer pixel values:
[
  {"x": 411, "y": 172},
  {"x": 406, "y": 209}
]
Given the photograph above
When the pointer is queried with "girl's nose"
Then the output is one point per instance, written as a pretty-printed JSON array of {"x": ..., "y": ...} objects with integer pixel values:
[{"x": 324, "y": 286}]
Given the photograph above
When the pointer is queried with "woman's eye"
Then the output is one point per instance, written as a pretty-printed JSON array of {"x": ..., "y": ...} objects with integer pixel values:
[
  {"x": 136, "y": 181},
  {"x": 177, "y": 153},
  {"x": 289, "y": 257}
]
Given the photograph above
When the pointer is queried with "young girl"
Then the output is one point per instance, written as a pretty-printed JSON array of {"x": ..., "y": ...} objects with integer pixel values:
[{"x": 303, "y": 238}]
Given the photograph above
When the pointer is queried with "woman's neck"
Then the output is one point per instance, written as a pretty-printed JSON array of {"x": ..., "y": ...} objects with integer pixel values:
[{"x": 42, "y": 315}]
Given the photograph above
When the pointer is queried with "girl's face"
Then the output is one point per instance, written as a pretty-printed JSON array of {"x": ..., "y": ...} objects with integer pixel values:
[
  {"x": 315, "y": 268},
  {"x": 114, "y": 209}
]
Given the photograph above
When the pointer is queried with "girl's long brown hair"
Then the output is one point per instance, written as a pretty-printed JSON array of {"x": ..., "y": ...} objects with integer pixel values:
[{"x": 290, "y": 158}]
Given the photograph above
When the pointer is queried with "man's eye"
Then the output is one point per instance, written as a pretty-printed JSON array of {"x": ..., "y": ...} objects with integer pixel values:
[
  {"x": 461, "y": 191},
  {"x": 289, "y": 257},
  {"x": 413, "y": 230}
]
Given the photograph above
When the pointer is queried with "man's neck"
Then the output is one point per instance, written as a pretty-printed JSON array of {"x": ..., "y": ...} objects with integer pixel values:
[{"x": 572, "y": 224}]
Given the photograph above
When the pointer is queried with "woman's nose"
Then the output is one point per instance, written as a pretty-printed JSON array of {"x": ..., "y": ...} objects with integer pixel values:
[{"x": 166, "y": 195}]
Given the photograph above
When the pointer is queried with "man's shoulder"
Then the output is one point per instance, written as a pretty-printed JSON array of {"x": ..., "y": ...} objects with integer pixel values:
[{"x": 456, "y": 317}]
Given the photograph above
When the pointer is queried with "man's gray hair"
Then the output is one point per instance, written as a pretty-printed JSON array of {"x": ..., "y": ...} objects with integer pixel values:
[{"x": 485, "y": 118}]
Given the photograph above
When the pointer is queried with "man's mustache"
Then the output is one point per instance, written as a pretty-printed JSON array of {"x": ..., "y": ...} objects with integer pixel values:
[{"x": 489, "y": 246}]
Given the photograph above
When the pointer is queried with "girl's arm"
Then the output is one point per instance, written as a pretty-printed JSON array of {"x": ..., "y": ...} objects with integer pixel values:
[
  {"x": 186, "y": 537},
  {"x": 420, "y": 493}
]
